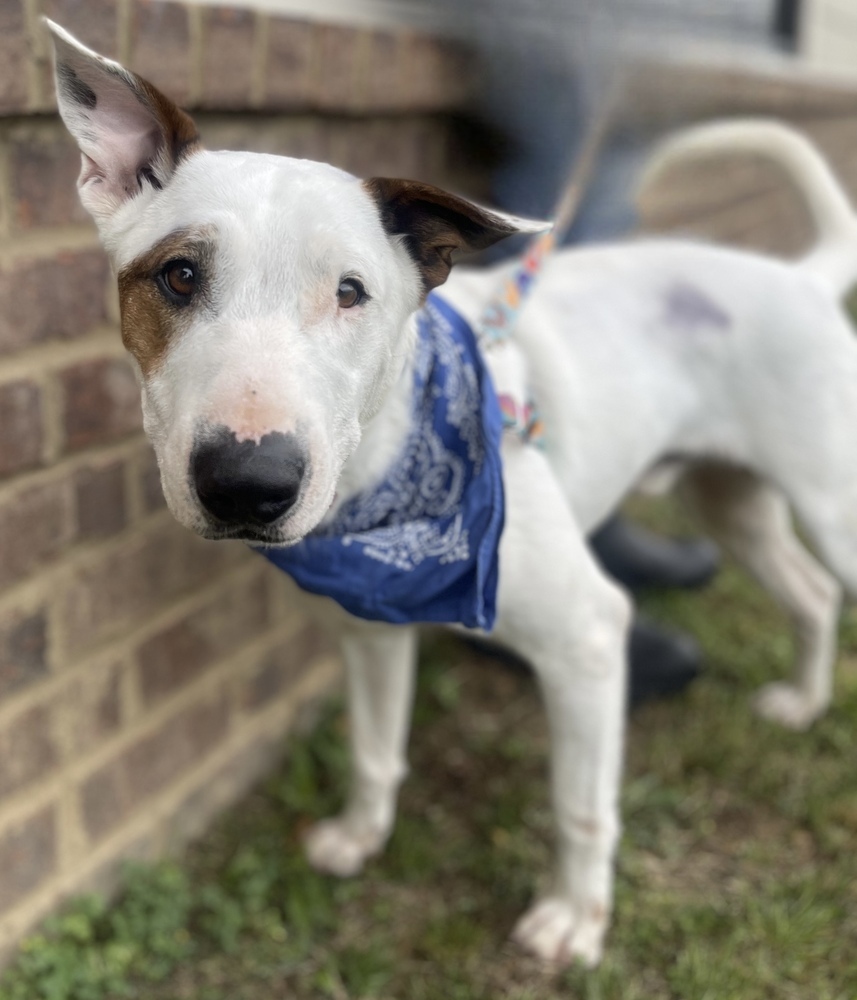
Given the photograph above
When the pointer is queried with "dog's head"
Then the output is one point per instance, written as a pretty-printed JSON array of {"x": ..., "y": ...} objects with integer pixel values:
[{"x": 265, "y": 300}]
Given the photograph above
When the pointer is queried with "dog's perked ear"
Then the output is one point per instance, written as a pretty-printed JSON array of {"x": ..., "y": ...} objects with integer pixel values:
[
  {"x": 128, "y": 132},
  {"x": 436, "y": 225}
]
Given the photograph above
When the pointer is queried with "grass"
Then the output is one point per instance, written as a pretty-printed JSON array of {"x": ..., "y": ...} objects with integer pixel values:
[{"x": 737, "y": 874}]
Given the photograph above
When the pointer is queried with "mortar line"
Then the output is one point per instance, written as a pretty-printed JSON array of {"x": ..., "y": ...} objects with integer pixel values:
[
  {"x": 38, "y": 52},
  {"x": 5, "y": 191},
  {"x": 123, "y": 32},
  {"x": 196, "y": 46},
  {"x": 50, "y": 356},
  {"x": 48, "y": 242}
]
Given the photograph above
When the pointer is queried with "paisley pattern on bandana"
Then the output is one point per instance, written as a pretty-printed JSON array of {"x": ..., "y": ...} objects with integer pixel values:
[{"x": 422, "y": 545}]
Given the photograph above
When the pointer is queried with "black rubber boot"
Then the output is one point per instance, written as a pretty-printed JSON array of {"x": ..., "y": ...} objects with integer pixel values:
[
  {"x": 638, "y": 558},
  {"x": 661, "y": 663}
]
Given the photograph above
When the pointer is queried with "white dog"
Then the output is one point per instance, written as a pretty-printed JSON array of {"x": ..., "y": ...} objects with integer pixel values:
[{"x": 272, "y": 307}]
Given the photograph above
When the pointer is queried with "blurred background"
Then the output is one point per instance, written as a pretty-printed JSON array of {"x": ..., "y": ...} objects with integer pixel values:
[{"x": 147, "y": 677}]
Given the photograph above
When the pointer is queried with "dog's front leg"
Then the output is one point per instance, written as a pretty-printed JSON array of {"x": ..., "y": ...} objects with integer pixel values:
[
  {"x": 379, "y": 663},
  {"x": 570, "y": 622}
]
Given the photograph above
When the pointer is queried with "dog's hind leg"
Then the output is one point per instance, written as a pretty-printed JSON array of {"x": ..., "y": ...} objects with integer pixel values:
[
  {"x": 752, "y": 521},
  {"x": 380, "y": 664},
  {"x": 559, "y": 611}
]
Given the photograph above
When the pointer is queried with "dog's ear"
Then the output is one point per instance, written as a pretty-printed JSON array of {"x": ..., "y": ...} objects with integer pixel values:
[
  {"x": 437, "y": 225},
  {"x": 129, "y": 133}
]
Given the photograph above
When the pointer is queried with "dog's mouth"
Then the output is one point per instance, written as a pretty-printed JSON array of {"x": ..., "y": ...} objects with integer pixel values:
[
  {"x": 253, "y": 536},
  {"x": 281, "y": 532},
  {"x": 286, "y": 529},
  {"x": 250, "y": 535}
]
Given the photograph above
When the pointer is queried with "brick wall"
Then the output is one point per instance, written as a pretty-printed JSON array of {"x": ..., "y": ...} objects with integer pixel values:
[{"x": 146, "y": 676}]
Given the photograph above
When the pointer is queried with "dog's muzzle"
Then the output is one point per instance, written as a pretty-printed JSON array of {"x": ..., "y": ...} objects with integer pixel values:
[{"x": 245, "y": 484}]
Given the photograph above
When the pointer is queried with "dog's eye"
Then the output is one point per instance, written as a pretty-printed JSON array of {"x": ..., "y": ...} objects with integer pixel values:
[
  {"x": 179, "y": 278},
  {"x": 350, "y": 293}
]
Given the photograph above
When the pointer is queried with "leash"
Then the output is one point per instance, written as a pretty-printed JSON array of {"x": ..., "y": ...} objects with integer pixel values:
[{"x": 498, "y": 321}]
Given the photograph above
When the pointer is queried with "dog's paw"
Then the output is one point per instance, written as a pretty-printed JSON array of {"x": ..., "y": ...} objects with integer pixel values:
[
  {"x": 787, "y": 705},
  {"x": 554, "y": 932},
  {"x": 334, "y": 847}
]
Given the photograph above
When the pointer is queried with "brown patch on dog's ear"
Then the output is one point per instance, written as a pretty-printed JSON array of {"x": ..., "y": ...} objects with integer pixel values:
[
  {"x": 436, "y": 225},
  {"x": 150, "y": 322},
  {"x": 179, "y": 129}
]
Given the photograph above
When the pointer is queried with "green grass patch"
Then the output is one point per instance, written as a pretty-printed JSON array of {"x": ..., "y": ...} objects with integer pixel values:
[{"x": 737, "y": 877}]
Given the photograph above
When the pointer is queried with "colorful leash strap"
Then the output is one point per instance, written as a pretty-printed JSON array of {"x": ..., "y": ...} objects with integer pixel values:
[{"x": 500, "y": 317}]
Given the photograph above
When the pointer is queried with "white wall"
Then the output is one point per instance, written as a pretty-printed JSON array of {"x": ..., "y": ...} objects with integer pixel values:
[{"x": 828, "y": 35}]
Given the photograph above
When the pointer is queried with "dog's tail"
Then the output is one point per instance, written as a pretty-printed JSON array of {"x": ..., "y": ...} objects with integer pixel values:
[{"x": 835, "y": 252}]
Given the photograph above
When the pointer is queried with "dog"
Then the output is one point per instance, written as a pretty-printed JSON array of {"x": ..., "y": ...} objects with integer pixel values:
[{"x": 272, "y": 309}]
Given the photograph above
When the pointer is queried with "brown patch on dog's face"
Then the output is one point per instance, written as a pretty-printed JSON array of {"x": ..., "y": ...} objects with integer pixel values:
[
  {"x": 152, "y": 314},
  {"x": 435, "y": 224}
]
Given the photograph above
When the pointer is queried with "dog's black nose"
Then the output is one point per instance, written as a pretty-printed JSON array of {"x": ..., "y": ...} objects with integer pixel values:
[{"x": 244, "y": 483}]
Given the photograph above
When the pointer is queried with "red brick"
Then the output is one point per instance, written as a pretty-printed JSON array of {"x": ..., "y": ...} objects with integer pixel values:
[
  {"x": 104, "y": 800},
  {"x": 60, "y": 298},
  {"x": 364, "y": 147},
  {"x": 290, "y": 56},
  {"x": 309, "y": 139},
  {"x": 136, "y": 577},
  {"x": 101, "y": 402},
  {"x": 23, "y": 649},
  {"x": 94, "y": 22},
  {"x": 439, "y": 74},
  {"x": 304, "y": 137},
  {"x": 149, "y": 765},
  {"x": 153, "y": 763},
  {"x": 43, "y": 179},
  {"x": 28, "y": 749},
  {"x": 150, "y": 483},
  {"x": 387, "y": 66},
  {"x": 160, "y": 46},
  {"x": 419, "y": 151},
  {"x": 392, "y": 148},
  {"x": 13, "y": 55},
  {"x": 228, "y": 57},
  {"x": 283, "y": 667},
  {"x": 337, "y": 85},
  {"x": 92, "y": 708},
  {"x": 100, "y": 500},
  {"x": 28, "y": 856},
  {"x": 35, "y": 526},
  {"x": 175, "y": 656},
  {"x": 22, "y": 429}
]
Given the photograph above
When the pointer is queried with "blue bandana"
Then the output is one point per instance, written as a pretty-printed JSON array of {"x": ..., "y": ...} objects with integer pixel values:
[{"x": 422, "y": 546}]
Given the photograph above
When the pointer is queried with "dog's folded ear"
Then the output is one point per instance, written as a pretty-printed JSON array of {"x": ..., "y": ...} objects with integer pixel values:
[
  {"x": 437, "y": 225},
  {"x": 129, "y": 133}
]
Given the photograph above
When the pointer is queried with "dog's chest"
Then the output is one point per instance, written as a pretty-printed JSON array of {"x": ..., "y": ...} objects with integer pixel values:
[{"x": 421, "y": 544}]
